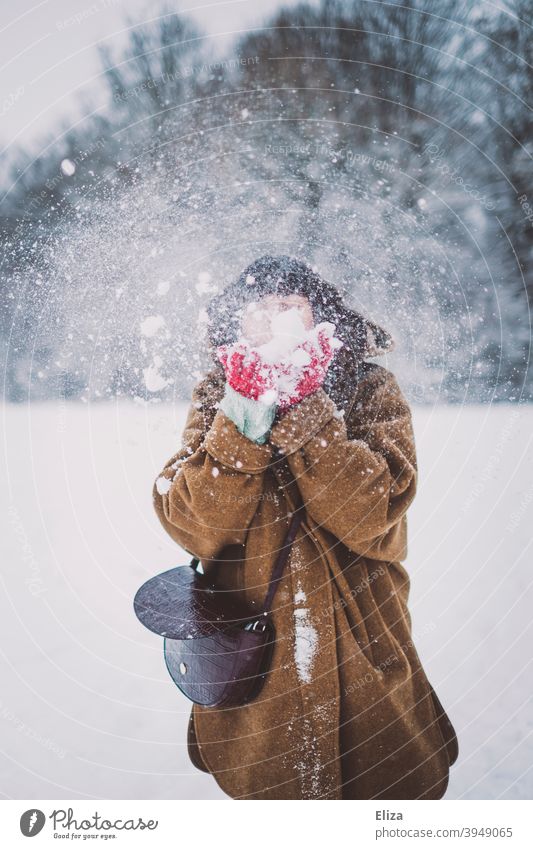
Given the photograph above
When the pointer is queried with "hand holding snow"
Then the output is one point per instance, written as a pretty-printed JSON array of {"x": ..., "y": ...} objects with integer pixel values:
[{"x": 286, "y": 368}]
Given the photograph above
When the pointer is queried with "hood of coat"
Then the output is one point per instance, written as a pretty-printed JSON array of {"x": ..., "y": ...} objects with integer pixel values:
[{"x": 284, "y": 275}]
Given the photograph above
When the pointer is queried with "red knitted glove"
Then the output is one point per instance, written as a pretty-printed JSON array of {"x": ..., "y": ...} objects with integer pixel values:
[
  {"x": 246, "y": 372},
  {"x": 304, "y": 371}
]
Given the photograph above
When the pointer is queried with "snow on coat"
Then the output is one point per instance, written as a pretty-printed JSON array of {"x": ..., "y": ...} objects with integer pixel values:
[{"x": 347, "y": 711}]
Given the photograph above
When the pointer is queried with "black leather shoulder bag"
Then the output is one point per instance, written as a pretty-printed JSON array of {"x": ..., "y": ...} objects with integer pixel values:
[{"x": 217, "y": 651}]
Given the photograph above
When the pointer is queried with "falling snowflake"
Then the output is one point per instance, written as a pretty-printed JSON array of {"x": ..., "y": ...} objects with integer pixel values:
[
  {"x": 153, "y": 380},
  {"x": 151, "y": 324},
  {"x": 68, "y": 167},
  {"x": 162, "y": 485}
]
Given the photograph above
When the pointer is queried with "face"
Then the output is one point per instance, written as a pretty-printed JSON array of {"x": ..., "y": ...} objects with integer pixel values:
[{"x": 255, "y": 325}]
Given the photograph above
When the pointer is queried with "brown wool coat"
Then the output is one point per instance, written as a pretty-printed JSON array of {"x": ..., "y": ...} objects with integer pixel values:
[{"x": 346, "y": 711}]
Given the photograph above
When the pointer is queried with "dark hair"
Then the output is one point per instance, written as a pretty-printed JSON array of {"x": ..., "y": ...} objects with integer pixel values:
[{"x": 283, "y": 275}]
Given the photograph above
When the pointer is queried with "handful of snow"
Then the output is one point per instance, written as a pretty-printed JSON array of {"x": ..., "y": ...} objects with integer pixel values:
[
  {"x": 288, "y": 331},
  {"x": 292, "y": 364}
]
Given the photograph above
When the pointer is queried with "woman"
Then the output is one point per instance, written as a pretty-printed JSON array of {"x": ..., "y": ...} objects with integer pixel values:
[{"x": 346, "y": 711}]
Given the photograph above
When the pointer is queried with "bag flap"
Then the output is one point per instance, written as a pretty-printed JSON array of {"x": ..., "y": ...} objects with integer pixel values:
[{"x": 182, "y": 604}]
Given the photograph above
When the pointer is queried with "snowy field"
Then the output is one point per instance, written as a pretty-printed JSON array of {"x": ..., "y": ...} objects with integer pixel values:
[{"x": 87, "y": 709}]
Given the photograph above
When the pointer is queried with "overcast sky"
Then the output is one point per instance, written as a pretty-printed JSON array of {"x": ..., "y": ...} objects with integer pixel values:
[{"x": 48, "y": 52}]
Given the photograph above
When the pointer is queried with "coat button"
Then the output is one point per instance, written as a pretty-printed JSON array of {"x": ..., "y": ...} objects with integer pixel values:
[{"x": 183, "y": 668}]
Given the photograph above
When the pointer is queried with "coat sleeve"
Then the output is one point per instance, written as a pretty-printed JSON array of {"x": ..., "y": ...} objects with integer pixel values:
[
  {"x": 358, "y": 486},
  {"x": 208, "y": 492}
]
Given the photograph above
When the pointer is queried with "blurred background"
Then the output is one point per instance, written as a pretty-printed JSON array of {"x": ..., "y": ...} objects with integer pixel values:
[
  {"x": 149, "y": 156},
  {"x": 149, "y": 153}
]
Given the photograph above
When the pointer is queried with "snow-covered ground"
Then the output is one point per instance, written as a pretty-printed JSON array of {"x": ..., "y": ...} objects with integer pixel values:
[{"x": 87, "y": 708}]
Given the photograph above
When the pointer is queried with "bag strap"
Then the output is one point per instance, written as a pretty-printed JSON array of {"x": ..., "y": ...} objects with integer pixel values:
[{"x": 281, "y": 559}]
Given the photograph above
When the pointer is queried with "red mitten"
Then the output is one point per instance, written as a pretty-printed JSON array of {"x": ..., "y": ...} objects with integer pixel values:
[
  {"x": 304, "y": 372},
  {"x": 245, "y": 371}
]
